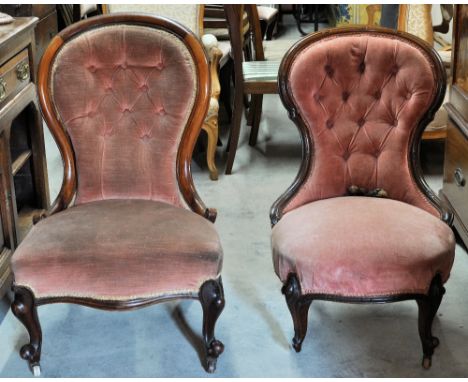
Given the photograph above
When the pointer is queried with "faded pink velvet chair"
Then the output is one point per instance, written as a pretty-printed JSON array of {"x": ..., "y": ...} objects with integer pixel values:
[
  {"x": 361, "y": 99},
  {"x": 125, "y": 97}
]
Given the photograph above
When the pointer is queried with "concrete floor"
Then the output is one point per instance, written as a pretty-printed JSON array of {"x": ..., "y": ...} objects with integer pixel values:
[{"x": 164, "y": 340}]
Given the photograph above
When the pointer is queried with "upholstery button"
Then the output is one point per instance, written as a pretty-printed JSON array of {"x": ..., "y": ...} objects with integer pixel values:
[
  {"x": 395, "y": 70},
  {"x": 329, "y": 70},
  {"x": 345, "y": 96},
  {"x": 160, "y": 110},
  {"x": 145, "y": 136},
  {"x": 160, "y": 66},
  {"x": 329, "y": 124},
  {"x": 346, "y": 155},
  {"x": 126, "y": 110},
  {"x": 144, "y": 88},
  {"x": 361, "y": 122},
  {"x": 317, "y": 97},
  {"x": 408, "y": 96},
  {"x": 377, "y": 94},
  {"x": 362, "y": 67},
  {"x": 92, "y": 68}
]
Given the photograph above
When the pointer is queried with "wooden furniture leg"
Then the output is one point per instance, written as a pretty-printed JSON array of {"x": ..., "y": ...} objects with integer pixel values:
[
  {"x": 257, "y": 102},
  {"x": 24, "y": 308},
  {"x": 428, "y": 306},
  {"x": 211, "y": 127},
  {"x": 299, "y": 308},
  {"x": 212, "y": 300}
]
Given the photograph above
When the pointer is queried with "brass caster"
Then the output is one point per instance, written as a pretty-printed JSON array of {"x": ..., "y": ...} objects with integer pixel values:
[
  {"x": 36, "y": 370},
  {"x": 427, "y": 362},
  {"x": 211, "y": 364},
  {"x": 297, "y": 345}
]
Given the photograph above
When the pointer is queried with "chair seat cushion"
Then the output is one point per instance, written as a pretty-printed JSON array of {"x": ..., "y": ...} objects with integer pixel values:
[
  {"x": 260, "y": 70},
  {"x": 118, "y": 250},
  {"x": 362, "y": 247}
]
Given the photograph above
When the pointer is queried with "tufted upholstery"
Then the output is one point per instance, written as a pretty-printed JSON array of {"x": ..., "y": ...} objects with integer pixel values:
[
  {"x": 124, "y": 94},
  {"x": 361, "y": 246},
  {"x": 118, "y": 250},
  {"x": 361, "y": 96}
]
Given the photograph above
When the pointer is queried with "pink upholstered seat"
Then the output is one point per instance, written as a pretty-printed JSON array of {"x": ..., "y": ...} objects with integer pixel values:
[
  {"x": 119, "y": 250},
  {"x": 361, "y": 246},
  {"x": 361, "y": 99}
]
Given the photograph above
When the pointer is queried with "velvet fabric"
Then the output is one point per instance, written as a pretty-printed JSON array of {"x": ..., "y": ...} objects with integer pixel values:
[
  {"x": 361, "y": 97},
  {"x": 118, "y": 250},
  {"x": 362, "y": 247},
  {"x": 124, "y": 94}
]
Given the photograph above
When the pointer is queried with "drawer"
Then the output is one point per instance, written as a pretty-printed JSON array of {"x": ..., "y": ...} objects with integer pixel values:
[
  {"x": 455, "y": 185},
  {"x": 14, "y": 76}
]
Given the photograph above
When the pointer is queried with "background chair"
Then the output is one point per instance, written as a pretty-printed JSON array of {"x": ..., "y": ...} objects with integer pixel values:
[
  {"x": 256, "y": 66},
  {"x": 359, "y": 224},
  {"x": 127, "y": 229},
  {"x": 191, "y": 15}
]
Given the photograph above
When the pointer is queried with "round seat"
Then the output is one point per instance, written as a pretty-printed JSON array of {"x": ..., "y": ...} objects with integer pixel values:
[{"x": 362, "y": 247}]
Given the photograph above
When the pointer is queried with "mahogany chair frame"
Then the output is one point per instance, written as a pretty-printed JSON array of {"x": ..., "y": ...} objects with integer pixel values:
[
  {"x": 210, "y": 295},
  {"x": 299, "y": 303}
]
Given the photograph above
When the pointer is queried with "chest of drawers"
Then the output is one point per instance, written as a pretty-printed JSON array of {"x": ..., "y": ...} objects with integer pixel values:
[
  {"x": 455, "y": 187},
  {"x": 23, "y": 171}
]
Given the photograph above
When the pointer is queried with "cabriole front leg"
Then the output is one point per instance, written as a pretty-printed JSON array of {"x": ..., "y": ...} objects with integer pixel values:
[
  {"x": 212, "y": 300},
  {"x": 24, "y": 308},
  {"x": 299, "y": 308},
  {"x": 428, "y": 306}
]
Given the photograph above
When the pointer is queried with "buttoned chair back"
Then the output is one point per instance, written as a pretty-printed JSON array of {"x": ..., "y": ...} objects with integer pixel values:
[
  {"x": 361, "y": 99},
  {"x": 130, "y": 94}
]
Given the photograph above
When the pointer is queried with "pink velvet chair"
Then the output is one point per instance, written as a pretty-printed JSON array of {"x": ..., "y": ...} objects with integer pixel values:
[
  {"x": 125, "y": 97},
  {"x": 359, "y": 224}
]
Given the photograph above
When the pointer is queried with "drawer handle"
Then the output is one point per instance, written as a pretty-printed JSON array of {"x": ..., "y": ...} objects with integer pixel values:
[
  {"x": 459, "y": 178},
  {"x": 3, "y": 90},
  {"x": 22, "y": 71}
]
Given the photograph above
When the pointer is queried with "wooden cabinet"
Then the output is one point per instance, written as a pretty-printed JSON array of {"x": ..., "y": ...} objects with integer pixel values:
[
  {"x": 23, "y": 171},
  {"x": 46, "y": 27},
  {"x": 455, "y": 188}
]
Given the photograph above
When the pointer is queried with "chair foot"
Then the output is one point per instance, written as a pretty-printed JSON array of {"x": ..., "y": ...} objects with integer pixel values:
[
  {"x": 24, "y": 308},
  {"x": 211, "y": 297},
  {"x": 299, "y": 308},
  {"x": 428, "y": 306}
]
